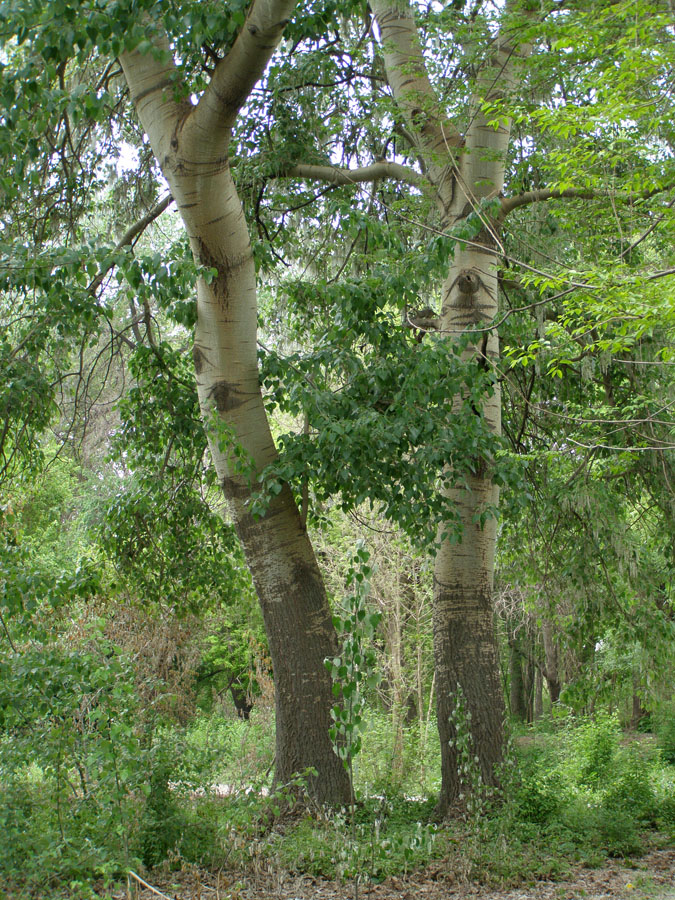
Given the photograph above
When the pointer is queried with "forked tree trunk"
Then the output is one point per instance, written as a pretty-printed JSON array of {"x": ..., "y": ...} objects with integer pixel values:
[{"x": 191, "y": 145}]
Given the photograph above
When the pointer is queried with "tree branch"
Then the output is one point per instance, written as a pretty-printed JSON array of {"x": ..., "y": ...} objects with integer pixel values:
[
  {"x": 508, "y": 204},
  {"x": 132, "y": 232},
  {"x": 645, "y": 234},
  {"x": 337, "y": 176},
  {"x": 409, "y": 80},
  {"x": 151, "y": 79}
]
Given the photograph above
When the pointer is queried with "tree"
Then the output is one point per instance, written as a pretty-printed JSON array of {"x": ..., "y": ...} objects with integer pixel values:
[
  {"x": 455, "y": 134},
  {"x": 190, "y": 141},
  {"x": 466, "y": 172},
  {"x": 401, "y": 404}
]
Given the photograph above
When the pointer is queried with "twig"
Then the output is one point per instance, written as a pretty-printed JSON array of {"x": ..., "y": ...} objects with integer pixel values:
[{"x": 154, "y": 890}]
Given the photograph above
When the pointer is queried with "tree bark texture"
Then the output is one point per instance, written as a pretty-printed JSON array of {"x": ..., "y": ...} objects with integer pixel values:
[
  {"x": 191, "y": 145},
  {"x": 463, "y": 171}
]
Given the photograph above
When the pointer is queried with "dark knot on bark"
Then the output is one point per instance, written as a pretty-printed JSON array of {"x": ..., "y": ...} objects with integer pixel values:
[{"x": 468, "y": 282}]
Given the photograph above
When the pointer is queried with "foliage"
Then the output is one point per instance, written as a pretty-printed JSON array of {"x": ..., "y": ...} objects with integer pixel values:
[
  {"x": 72, "y": 761},
  {"x": 593, "y": 749},
  {"x": 665, "y": 730},
  {"x": 94, "y": 363},
  {"x": 374, "y": 405},
  {"x": 375, "y": 772},
  {"x": 353, "y": 671},
  {"x": 473, "y": 794}
]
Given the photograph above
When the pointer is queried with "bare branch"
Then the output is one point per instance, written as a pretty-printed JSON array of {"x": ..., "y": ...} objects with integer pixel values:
[
  {"x": 374, "y": 172},
  {"x": 508, "y": 204},
  {"x": 129, "y": 235},
  {"x": 645, "y": 234}
]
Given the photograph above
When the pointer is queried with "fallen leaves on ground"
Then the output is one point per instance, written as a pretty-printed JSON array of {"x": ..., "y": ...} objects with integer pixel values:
[{"x": 650, "y": 878}]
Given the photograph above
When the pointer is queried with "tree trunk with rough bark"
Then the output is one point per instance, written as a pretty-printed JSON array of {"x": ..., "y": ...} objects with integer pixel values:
[{"x": 190, "y": 143}]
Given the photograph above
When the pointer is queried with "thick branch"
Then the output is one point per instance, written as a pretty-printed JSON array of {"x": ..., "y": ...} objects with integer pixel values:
[
  {"x": 374, "y": 172},
  {"x": 500, "y": 76},
  {"x": 151, "y": 79},
  {"x": 508, "y": 204},
  {"x": 236, "y": 75}
]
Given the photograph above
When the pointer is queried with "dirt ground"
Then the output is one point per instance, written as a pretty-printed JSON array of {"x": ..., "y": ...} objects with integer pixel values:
[{"x": 649, "y": 878}]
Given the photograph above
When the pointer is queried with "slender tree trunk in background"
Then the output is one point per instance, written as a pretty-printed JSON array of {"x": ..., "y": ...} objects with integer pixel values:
[
  {"x": 528, "y": 688},
  {"x": 191, "y": 145},
  {"x": 516, "y": 686},
  {"x": 538, "y": 694},
  {"x": 551, "y": 657},
  {"x": 638, "y": 711},
  {"x": 397, "y": 686}
]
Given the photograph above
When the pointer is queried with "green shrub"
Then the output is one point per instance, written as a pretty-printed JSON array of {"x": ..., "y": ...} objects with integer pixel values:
[
  {"x": 384, "y": 841},
  {"x": 617, "y": 835},
  {"x": 539, "y": 796},
  {"x": 71, "y": 764},
  {"x": 629, "y": 793},
  {"x": 162, "y": 821},
  {"x": 664, "y": 722},
  {"x": 592, "y": 748}
]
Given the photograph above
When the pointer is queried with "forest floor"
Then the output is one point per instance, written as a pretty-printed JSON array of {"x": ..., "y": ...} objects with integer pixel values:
[{"x": 651, "y": 877}]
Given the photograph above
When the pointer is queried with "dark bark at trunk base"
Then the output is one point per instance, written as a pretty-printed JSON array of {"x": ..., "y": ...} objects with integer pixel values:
[
  {"x": 553, "y": 689},
  {"x": 301, "y": 635},
  {"x": 466, "y": 659},
  {"x": 242, "y": 701}
]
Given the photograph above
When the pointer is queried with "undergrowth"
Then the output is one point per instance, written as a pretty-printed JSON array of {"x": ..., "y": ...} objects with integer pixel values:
[{"x": 573, "y": 796}]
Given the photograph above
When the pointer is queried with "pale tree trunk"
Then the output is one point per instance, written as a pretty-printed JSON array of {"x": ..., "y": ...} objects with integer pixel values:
[
  {"x": 465, "y": 647},
  {"x": 538, "y": 710},
  {"x": 191, "y": 145},
  {"x": 551, "y": 661}
]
